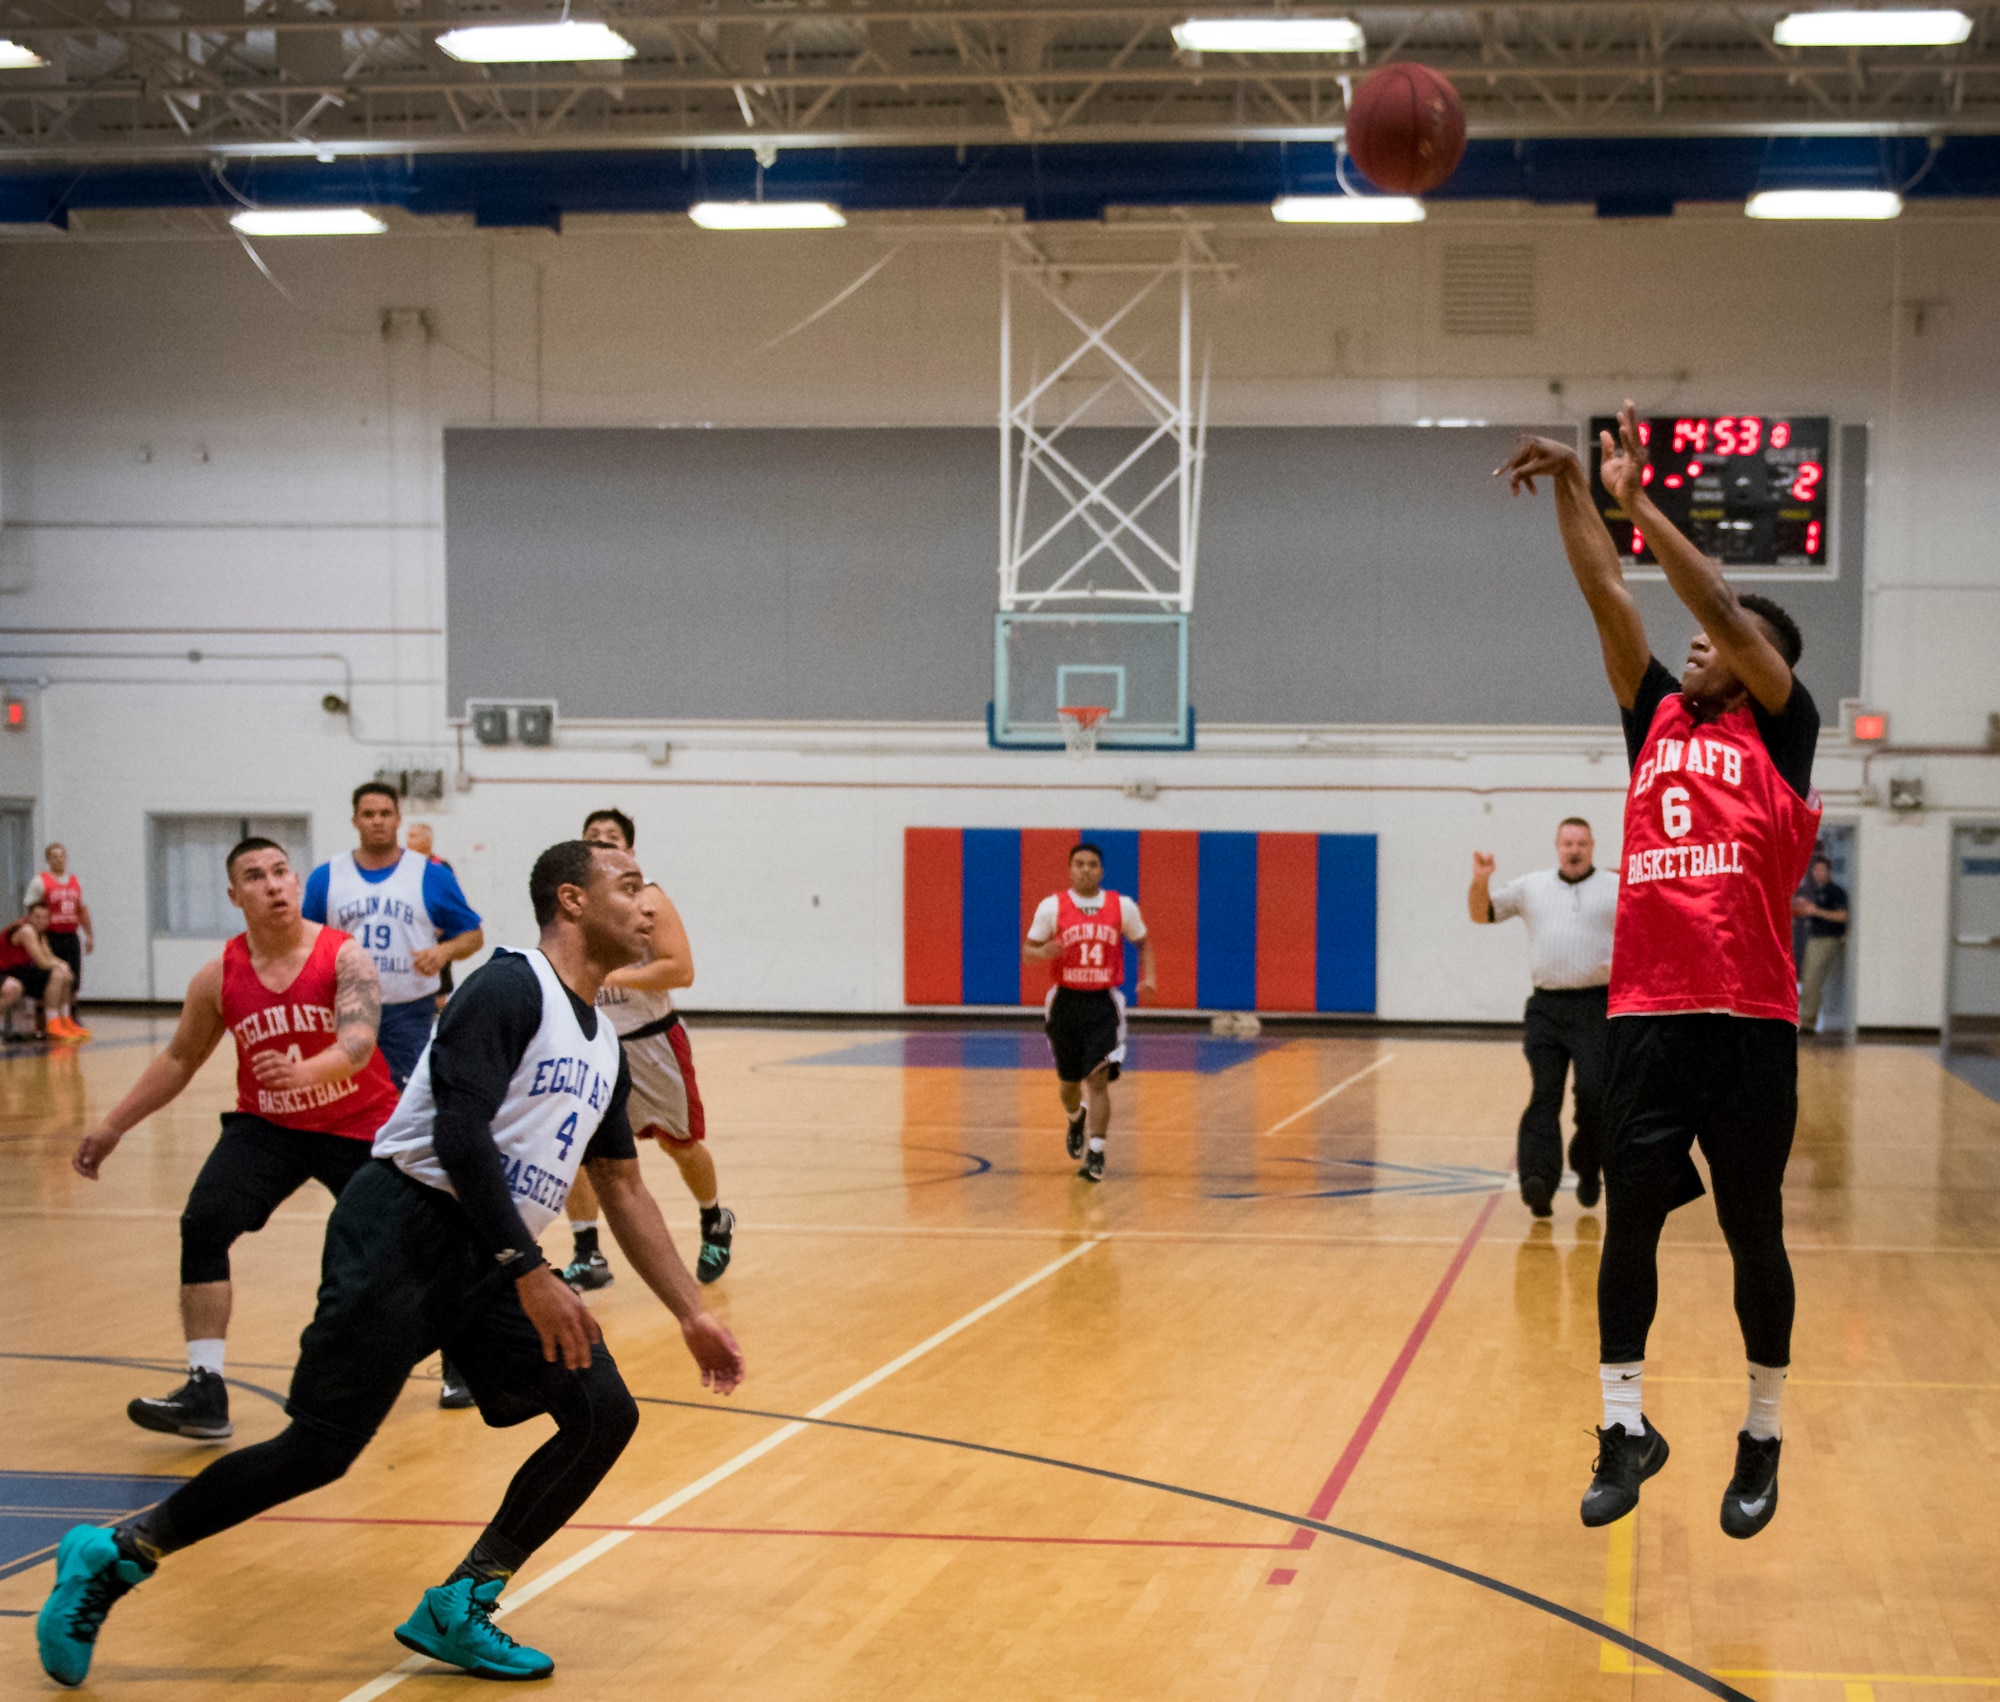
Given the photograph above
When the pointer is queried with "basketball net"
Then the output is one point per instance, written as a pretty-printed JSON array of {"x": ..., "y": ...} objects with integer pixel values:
[{"x": 1079, "y": 727}]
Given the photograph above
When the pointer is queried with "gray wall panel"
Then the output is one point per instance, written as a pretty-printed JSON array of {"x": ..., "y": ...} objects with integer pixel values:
[{"x": 1349, "y": 574}]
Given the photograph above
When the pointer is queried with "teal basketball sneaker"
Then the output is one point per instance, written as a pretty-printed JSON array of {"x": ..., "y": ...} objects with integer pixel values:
[
  {"x": 454, "y": 1624},
  {"x": 92, "y": 1572}
]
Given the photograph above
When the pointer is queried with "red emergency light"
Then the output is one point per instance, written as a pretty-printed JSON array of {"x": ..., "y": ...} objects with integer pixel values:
[
  {"x": 1870, "y": 729},
  {"x": 15, "y": 712}
]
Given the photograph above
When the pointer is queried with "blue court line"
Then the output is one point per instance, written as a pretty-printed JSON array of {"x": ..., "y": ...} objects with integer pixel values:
[
  {"x": 1976, "y": 1070},
  {"x": 1436, "y": 1179},
  {"x": 37, "y": 1507},
  {"x": 929, "y": 1049},
  {"x": 1294, "y": 1521}
]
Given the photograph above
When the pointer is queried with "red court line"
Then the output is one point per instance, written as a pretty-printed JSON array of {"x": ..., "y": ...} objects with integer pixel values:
[
  {"x": 1364, "y": 1432},
  {"x": 786, "y": 1531}
]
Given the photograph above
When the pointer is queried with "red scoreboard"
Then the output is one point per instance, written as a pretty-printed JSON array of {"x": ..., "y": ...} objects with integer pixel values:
[{"x": 1749, "y": 489}]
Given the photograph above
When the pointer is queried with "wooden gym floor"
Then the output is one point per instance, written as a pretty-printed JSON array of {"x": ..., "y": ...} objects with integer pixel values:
[{"x": 1009, "y": 1436}]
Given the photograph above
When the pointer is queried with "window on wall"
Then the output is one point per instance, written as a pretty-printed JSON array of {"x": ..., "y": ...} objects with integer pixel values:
[{"x": 190, "y": 887}]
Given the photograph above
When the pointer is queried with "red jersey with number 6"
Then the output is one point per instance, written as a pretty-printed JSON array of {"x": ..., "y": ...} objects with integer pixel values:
[
  {"x": 1716, "y": 841},
  {"x": 299, "y": 1022},
  {"x": 1093, "y": 943}
]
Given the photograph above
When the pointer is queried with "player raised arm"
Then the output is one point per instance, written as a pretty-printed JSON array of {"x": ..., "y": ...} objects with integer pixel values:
[
  {"x": 1738, "y": 635},
  {"x": 196, "y": 1036},
  {"x": 634, "y": 1216},
  {"x": 1593, "y": 557},
  {"x": 357, "y": 1014}
]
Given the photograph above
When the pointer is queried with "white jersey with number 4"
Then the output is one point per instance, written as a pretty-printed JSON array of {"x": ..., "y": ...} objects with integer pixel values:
[
  {"x": 389, "y": 918},
  {"x": 555, "y": 1099}
]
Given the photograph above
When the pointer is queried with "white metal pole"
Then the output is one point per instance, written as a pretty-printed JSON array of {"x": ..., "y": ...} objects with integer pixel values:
[
  {"x": 1186, "y": 439},
  {"x": 1007, "y": 586}
]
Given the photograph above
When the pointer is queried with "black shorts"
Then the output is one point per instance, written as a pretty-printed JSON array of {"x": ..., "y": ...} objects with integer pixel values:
[
  {"x": 1730, "y": 1083},
  {"x": 248, "y": 1174},
  {"x": 1085, "y": 1029},
  {"x": 34, "y": 979},
  {"x": 400, "y": 1278},
  {"x": 69, "y": 947}
]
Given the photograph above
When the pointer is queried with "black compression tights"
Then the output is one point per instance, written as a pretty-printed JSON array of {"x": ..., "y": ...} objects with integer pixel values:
[
  {"x": 595, "y": 1417},
  {"x": 1628, "y": 1276}
]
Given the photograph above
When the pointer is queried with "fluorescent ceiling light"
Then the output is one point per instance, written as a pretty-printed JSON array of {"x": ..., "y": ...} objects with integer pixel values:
[
  {"x": 1872, "y": 29},
  {"x": 1824, "y": 204},
  {"x": 527, "y": 44},
  {"x": 766, "y": 215},
  {"x": 15, "y": 57},
  {"x": 308, "y": 221},
  {"x": 1268, "y": 35},
  {"x": 1347, "y": 210}
]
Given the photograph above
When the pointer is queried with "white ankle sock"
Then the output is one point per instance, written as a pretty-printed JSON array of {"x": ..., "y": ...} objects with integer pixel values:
[
  {"x": 1767, "y": 1390},
  {"x": 708, "y": 1204},
  {"x": 577, "y": 1225},
  {"x": 206, "y": 1355},
  {"x": 1096, "y": 1143},
  {"x": 1621, "y": 1396}
]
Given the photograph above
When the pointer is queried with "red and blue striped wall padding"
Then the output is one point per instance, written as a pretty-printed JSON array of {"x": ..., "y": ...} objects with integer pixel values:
[{"x": 1239, "y": 921}]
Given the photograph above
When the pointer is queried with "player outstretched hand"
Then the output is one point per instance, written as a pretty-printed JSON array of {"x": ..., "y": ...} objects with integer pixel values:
[
  {"x": 714, "y": 1350},
  {"x": 1482, "y": 865},
  {"x": 92, "y": 1151},
  {"x": 1623, "y": 466},
  {"x": 562, "y": 1321},
  {"x": 1535, "y": 458}
]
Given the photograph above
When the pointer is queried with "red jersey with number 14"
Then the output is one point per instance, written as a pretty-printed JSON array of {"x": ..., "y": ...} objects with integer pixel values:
[
  {"x": 1716, "y": 841},
  {"x": 1093, "y": 943},
  {"x": 299, "y": 1021}
]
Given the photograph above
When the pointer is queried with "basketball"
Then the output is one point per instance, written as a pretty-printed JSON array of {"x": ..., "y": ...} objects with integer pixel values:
[{"x": 1406, "y": 129}]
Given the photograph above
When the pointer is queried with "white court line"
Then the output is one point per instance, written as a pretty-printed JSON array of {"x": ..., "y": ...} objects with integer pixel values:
[
  {"x": 1386, "y": 1058},
  {"x": 729, "y": 1468}
]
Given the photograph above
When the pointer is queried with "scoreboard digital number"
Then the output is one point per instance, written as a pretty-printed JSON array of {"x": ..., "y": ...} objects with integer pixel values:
[{"x": 1750, "y": 490}]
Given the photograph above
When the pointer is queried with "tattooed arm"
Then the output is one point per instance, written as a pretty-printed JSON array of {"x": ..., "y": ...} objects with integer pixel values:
[{"x": 357, "y": 1012}]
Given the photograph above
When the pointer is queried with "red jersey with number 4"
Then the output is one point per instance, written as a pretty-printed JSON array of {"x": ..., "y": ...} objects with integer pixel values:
[
  {"x": 299, "y": 1022},
  {"x": 1716, "y": 841},
  {"x": 65, "y": 897},
  {"x": 1093, "y": 943}
]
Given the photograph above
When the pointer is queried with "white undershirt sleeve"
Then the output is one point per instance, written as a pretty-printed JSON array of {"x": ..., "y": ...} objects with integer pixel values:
[
  {"x": 1130, "y": 923},
  {"x": 1043, "y": 927}
]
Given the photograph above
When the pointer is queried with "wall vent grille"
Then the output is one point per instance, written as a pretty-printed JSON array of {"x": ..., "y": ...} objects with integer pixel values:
[{"x": 1489, "y": 289}]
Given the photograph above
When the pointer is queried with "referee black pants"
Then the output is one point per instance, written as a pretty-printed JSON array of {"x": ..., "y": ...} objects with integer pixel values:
[{"x": 1565, "y": 1033}]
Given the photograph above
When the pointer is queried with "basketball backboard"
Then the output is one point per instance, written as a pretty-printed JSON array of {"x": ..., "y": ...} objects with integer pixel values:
[{"x": 1134, "y": 666}]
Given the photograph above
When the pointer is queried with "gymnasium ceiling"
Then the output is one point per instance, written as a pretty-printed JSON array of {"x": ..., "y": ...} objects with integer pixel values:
[{"x": 1052, "y": 109}]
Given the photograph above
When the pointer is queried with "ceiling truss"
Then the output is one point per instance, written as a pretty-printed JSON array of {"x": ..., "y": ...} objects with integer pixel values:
[{"x": 201, "y": 78}]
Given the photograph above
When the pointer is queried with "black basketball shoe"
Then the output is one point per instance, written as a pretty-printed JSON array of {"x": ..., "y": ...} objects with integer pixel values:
[
  {"x": 1537, "y": 1195},
  {"x": 1093, "y": 1165},
  {"x": 1751, "y": 1499},
  {"x": 1073, "y": 1140},
  {"x": 454, "y": 1395},
  {"x": 1623, "y": 1463},
  {"x": 718, "y": 1231},
  {"x": 588, "y": 1270},
  {"x": 198, "y": 1408}
]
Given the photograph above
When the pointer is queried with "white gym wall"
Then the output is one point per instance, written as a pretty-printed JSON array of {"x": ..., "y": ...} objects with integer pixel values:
[{"x": 190, "y": 460}]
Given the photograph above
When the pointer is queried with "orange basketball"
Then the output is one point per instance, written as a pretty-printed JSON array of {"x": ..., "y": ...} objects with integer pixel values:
[{"x": 1406, "y": 129}]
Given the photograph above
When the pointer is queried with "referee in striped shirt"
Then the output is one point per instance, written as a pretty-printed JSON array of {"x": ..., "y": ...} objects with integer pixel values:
[{"x": 1569, "y": 911}]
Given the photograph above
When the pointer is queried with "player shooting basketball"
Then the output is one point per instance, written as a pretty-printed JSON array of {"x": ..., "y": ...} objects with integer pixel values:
[{"x": 1720, "y": 819}]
